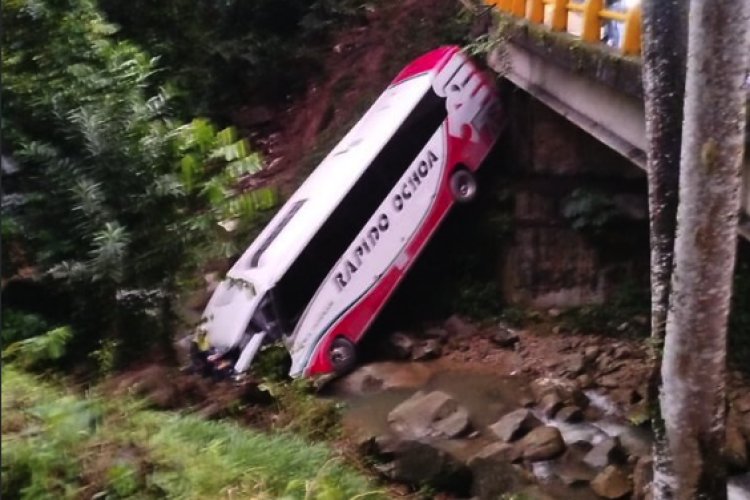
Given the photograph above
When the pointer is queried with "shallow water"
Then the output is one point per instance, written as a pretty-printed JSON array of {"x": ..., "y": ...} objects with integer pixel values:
[{"x": 488, "y": 397}]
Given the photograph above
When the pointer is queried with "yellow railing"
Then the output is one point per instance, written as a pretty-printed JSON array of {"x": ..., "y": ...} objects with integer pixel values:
[{"x": 592, "y": 12}]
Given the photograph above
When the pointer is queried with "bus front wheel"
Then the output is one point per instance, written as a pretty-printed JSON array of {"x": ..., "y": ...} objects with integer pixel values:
[
  {"x": 463, "y": 186},
  {"x": 343, "y": 355}
]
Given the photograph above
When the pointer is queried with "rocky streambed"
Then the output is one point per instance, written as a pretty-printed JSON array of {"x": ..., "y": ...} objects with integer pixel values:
[{"x": 468, "y": 428}]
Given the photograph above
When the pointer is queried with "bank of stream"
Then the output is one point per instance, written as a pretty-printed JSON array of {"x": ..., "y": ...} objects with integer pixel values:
[{"x": 514, "y": 404}]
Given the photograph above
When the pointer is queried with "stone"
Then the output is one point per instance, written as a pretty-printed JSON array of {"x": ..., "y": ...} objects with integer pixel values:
[
  {"x": 604, "y": 453},
  {"x": 515, "y": 425},
  {"x": 499, "y": 452},
  {"x": 418, "y": 463},
  {"x": 742, "y": 403},
  {"x": 571, "y": 470},
  {"x": 735, "y": 452},
  {"x": 432, "y": 415},
  {"x": 584, "y": 381},
  {"x": 542, "y": 443},
  {"x": 623, "y": 352},
  {"x": 492, "y": 473},
  {"x": 426, "y": 349},
  {"x": 401, "y": 345},
  {"x": 551, "y": 403},
  {"x": 370, "y": 383},
  {"x": 570, "y": 414},
  {"x": 611, "y": 483},
  {"x": 575, "y": 364},
  {"x": 504, "y": 337},
  {"x": 591, "y": 353},
  {"x": 436, "y": 333},
  {"x": 459, "y": 327},
  {"x": 608, "y": 381},
  {"x": 643, "y": 474}
]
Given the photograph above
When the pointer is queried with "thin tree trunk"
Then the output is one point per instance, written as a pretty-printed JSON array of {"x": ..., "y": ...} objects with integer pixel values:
[
  {"x": 694, "y": 363},
  {"x": 664, "y": 54}
]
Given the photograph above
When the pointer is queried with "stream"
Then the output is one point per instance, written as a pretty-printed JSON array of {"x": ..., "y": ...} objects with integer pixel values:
[{"x": 371, "y": 392}]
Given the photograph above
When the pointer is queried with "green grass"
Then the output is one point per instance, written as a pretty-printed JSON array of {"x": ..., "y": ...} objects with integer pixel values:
[{"x": 56, "y": 444}]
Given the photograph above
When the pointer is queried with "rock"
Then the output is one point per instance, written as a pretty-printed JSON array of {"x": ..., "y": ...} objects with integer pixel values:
[
  {"x": 608, "y": 381},
  {"x": 418, "y": 463},
  {"x": 571, "y": 471},
  {"x": 612, "y": 482},
  {"x": 591, "y": 353},
  {"x": 504, "y": 337},
  {"x": 433, "y": 415},
  {"x": 515, "y": 425},
  {"x": 570, "y": 414},
  {"x": 623, "y": 352},
  {"x": 551, "y": 404},
  {"x": 436, "y": 333},
  {"x": 604, "y": 453},
  {"x": 575, "y": 364},
  {"x": 371, "y": 383},
  {"x": 585, "y": 381},
  {"x": 742, "y": 403},
  {"x": 459, "y": 327},
  {"x": 643, "y": 474},
  {"x": 582, "y": 432},
  {"x": 542, "y": 443},
  {"x": 735, "y": 452},
  {"x": 426, "y": 349},
  {"x": 401, "y": 345},
  {"x": 493, "y": 474},
  {"x": 499, "y": 452},
  {"x": 554, "y": 313}
]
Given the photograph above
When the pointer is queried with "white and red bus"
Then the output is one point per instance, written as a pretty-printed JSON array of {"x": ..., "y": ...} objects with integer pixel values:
[{"x": 318, "y": 275}]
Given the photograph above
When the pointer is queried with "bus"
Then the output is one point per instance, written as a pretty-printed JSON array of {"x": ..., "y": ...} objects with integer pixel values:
[{"x": 320, "y": 272}]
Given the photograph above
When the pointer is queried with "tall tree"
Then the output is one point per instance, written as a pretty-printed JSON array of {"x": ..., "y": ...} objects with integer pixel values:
[
  {"x": 694, "y": 365},
  {"x": 664, "y": 53}
]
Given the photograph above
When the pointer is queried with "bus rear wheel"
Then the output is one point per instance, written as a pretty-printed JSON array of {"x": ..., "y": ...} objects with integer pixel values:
[
  {"x": 463, "y": 186},
  {"x": 343, "y": 355}
]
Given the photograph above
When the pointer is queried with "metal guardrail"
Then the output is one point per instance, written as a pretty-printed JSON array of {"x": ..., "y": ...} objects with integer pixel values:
[{"x": 593, "y": 13}]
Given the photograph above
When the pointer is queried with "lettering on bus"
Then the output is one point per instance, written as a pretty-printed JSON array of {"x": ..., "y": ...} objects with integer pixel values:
[{"x": 371, "y": 236}]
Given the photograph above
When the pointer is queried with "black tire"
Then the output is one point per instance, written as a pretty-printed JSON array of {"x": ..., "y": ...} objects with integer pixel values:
[
  {"x": 463, "y": 186},
  {"x": 343, "y": 355}
]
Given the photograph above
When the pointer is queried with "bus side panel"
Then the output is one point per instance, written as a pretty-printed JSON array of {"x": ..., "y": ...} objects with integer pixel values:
[{"x": 471, "y": 125}]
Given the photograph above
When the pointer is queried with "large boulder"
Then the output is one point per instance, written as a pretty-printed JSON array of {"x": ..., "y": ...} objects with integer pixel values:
[
  {"x": 432, "y": 415},
  {"x": 542, "y": 443},
  {"x": 492, "y": 472},
  {"x": 515, "y": 425},
  {"x": 419, "y": 463},
  {"x": 612, "y": 483}
]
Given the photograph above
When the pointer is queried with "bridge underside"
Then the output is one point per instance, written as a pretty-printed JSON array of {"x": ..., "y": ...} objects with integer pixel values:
[{"x": 596, "y": 90}]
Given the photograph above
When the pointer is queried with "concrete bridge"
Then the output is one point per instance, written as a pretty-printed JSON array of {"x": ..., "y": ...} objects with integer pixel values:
[{"x": 582, "y": 60}]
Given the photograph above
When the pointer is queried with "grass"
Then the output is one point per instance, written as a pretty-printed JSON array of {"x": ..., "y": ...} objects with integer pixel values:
[{"x": 56, "y": 444}]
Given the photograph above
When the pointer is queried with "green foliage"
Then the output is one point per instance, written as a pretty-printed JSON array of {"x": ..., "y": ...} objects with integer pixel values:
[
  {"x": 589, "y": 210},
  {"x": 117, "y": 196},
  {"x": 626, "y": 314},
  {"x": 19, "y": 325},
  {"x": 56, "y": 445},
  {"x": 256, "y": 51},
  {"x": 301, "y": 412},
  {"x": 35, "y": 350}
]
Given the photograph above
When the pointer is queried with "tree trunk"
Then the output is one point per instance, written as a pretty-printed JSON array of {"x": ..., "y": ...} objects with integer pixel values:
[
  {"x": 694, "y": 364},
  {"x": 664, "y": 53}
]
